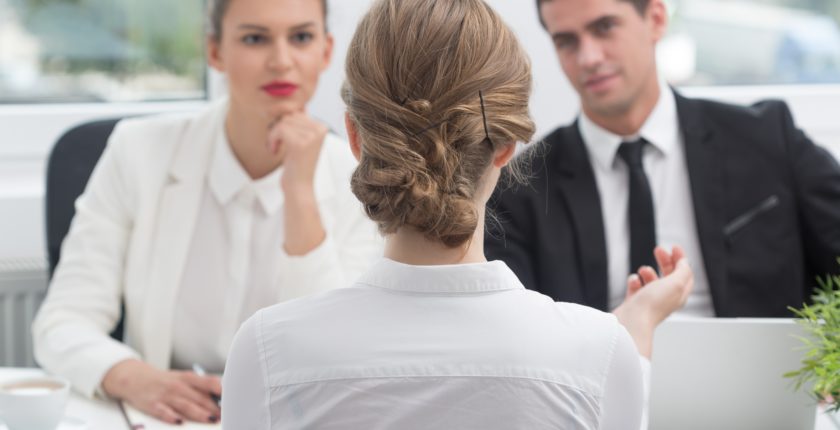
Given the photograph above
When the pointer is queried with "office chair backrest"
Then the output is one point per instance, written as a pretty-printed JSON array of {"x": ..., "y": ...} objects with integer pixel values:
[{"x": 71, "y": 162}]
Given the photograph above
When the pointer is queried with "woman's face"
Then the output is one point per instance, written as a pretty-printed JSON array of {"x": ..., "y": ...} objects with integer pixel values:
[{"x": 272, "y": 52}]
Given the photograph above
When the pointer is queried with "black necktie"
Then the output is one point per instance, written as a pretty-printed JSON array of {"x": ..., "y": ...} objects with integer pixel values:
[{"x": 639, "y": 208}]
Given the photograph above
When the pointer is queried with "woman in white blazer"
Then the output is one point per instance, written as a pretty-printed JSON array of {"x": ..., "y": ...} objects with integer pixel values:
[{"x": 196, "y": 221}]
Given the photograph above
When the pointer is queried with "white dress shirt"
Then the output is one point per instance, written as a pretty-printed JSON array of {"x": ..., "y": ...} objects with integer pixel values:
[
  {"x": 229, "y": 273},
  {"x": 667, "y": 171},
  {"x": 432, "y": 347}
]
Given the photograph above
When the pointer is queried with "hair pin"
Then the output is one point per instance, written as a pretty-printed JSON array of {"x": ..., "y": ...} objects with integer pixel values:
[{"x": 484, "y": 117}]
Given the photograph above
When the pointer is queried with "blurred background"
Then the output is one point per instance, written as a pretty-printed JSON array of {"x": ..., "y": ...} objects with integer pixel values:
[
  {"x": 64, "y": 62},
  {"x": 152, "y": 50}
]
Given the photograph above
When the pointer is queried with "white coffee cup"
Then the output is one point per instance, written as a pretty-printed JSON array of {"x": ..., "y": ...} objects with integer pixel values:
[{"x": 33, "y": 403}]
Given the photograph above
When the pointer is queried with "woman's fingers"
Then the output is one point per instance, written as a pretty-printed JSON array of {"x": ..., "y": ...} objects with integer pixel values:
[
  {"x": 295, "y": 127},
  {"x": 677, "y": 254},
  {"x": 209, "y": 383},
  {"x": 647, "y": 274},
  {"x": 199, "y": 397},
  {"x": 275, "y": 138},
  {"x": 663, "y": 260},
  {"x": 192, "y": 411},
  {"x": 165, "y": 413},
  {"x": 667, "y": 261},
  {"x": 687, "y": 277},
  {"x": 634, "y": 284}
]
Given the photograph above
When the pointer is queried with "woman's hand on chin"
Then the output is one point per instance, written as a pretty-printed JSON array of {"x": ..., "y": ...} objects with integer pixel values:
[{"x": 297, "y": 139}]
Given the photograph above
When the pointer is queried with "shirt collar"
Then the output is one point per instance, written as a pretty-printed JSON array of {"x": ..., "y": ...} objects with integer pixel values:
[
  {"x": 227, "y": 178},
  {"x": 457, "y": 278},
  {"x": 661, "y": 129}
]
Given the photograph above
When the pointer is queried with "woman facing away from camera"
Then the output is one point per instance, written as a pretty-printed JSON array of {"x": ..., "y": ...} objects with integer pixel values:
[
  {"x": 196, "y": 221},
  {"x": 434, "y": 336}
]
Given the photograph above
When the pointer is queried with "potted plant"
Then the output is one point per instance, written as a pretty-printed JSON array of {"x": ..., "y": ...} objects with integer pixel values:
[{"x": 821, "y": 364}]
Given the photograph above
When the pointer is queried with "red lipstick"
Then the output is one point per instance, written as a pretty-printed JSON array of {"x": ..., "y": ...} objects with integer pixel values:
[{"x": 280, "y": 89}]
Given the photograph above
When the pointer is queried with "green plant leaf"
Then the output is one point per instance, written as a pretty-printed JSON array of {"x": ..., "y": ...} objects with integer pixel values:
[{"x": 821, "y": 359}]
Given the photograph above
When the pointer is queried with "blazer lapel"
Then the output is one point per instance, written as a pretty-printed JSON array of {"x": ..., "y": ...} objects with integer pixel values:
[
  {"x": 578, "y": 187},
  {"x": 177, "y": 212},
  {"x": 706, "y": 176}
]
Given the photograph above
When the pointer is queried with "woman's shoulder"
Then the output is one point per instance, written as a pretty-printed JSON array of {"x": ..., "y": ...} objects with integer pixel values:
[
  {"x": 588, "y": 316},
  {"x": 167, "y": 126},
  {"x": 576, "y": 323},
  {"x": 567, "y": 313},
  {"x": 151, "y": 143}
]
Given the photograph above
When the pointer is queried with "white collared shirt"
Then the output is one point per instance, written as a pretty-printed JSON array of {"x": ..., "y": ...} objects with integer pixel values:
[
  {"x": 667, "y": 171},
  {"x": 230, "y": 271},
  {"x": 422, "y": 347}
]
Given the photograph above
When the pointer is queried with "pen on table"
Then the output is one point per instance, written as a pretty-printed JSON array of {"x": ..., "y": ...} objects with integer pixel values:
[
  {"x": 198, "y": 370},
  {"x": 131, "y": 425}
]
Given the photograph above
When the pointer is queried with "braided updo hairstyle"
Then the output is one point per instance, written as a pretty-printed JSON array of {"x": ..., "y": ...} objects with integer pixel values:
[{"x": 433, "y": 88}]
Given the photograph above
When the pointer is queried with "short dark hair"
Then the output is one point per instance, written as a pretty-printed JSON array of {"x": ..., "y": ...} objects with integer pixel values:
[
  {"x": 640, "y": 6},
  {"x": 216, "y": 10}
]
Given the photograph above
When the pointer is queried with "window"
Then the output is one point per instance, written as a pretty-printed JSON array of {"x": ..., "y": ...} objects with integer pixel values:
[
  {"x": 752, "y": 42},
  {"x": 101, "y": 51}
]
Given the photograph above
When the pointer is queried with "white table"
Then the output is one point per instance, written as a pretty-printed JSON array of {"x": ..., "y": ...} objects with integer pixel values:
[{"x": 106, "y": 415}]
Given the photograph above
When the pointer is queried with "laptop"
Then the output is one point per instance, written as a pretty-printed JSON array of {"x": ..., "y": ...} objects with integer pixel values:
[{"x": 726, "y": 373}]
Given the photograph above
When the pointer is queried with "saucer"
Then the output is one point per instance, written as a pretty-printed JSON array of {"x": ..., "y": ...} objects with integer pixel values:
[
  {"x": 67, "y": 423},
  {"x": 72, "y": 423}
]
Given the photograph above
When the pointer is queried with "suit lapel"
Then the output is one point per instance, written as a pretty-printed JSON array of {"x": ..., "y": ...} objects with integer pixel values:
[
  {"x": 176, "y": 217},
  {"x": 577, "y": 184},
  {"x": 706, "y": 175}
]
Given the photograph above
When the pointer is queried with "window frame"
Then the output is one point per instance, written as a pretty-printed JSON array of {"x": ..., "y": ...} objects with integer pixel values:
[{"x": 31, "y": 129}]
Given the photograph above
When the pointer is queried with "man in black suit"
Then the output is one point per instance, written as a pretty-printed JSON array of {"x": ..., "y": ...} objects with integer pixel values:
[{"x": 754, "y": 203}]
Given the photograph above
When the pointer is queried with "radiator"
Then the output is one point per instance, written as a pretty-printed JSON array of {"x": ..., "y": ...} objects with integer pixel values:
[{"x": 23, "y": 283}]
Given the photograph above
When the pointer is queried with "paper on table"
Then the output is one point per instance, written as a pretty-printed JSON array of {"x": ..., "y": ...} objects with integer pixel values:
[{"x": 138, "y": 420}]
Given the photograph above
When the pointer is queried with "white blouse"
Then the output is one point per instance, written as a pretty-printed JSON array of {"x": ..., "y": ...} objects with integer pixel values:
[
  {"x": 145, "y": 213},
  {"x": 231, "y": 270},
  {"x": 419, "y": 347}
]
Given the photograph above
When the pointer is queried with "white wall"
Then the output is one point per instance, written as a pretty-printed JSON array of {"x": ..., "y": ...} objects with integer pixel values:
[
  {"x": 27, "y": 132},
  {"x": 553, "y": 102}
]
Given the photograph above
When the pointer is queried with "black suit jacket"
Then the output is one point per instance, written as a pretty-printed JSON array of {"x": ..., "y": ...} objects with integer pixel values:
[{"x": 766, "y": 201}]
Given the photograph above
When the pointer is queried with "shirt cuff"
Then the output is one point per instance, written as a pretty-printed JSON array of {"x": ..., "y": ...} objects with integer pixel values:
[
  {"x": 315, "y": 260},
  {"x": 317, "y": 271},
  {"x": 97, "y": 366}
]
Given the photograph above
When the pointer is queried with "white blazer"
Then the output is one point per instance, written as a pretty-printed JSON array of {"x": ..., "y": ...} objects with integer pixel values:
[{"x": 132, "y": 231}]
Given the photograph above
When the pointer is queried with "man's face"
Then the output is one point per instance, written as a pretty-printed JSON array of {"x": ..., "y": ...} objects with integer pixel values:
[{"x": 606, "y": 49}]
